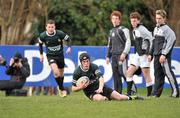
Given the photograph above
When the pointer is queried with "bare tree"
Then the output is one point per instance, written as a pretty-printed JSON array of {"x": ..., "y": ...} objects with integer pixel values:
[
  {"x": 174, "y": 18},
  {"x": 17, "y": 17},
  {"x": 173, "y": 10}
]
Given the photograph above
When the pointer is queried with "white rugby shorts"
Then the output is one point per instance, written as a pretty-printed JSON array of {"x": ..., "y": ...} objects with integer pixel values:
[{"x": 139, "y": 61}]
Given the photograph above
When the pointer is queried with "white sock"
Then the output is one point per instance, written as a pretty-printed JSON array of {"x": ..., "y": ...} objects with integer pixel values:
[
  {"x": 129, "y": 79},
  {"x": 149, "y": 84}
]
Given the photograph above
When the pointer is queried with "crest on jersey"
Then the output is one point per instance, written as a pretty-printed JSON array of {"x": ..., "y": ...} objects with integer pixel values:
[
  {"x": 113, "y": 34},
  {"x": 52, "y": 60},
  {"x": 59, "y": 40}
]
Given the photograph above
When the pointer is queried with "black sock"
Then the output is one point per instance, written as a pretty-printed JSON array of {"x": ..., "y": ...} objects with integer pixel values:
[
  {"x": 149, "y": 90},
  {"x": 129, "y": 86},
  {"x": 130, "y": 98},
  {"x": 134, "y": 88},
  {"x": 59, "y": 81}
]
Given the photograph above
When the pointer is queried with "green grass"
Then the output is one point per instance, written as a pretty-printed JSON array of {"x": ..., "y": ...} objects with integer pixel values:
[{"x": 78, "y": 106}]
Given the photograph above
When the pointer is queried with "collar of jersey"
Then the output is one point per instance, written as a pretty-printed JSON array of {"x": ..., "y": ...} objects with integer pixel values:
[
  {"x": 160, "y": 25},
  {"x": 50, "y": 34},
  {"x": 83, "y": 69},
  {"x": 117, "y": 26}
]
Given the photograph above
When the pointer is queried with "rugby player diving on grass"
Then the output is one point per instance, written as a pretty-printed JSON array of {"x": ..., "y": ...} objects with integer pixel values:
[{"x": 95, "y": 89}]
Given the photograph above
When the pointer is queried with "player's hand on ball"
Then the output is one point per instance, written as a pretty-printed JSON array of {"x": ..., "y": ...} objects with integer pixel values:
[{"x": 83, "y": 84}]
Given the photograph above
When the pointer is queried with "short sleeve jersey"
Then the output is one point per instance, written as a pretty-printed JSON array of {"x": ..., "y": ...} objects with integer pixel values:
[{"x": 54, "y": 42}]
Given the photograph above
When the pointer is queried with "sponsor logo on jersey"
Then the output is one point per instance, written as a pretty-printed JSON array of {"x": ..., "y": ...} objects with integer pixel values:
[
  {"x": 113, "y": 34},
  {"x": 55, "y": 48},
  {"x": 52, "y": 60}
]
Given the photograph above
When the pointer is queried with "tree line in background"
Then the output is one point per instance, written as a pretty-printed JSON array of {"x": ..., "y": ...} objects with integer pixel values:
[{"x": 86, "y": 21}]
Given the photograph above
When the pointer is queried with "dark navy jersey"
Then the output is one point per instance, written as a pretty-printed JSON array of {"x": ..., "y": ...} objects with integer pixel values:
[
  {"x": 54, "y": 42},
  {"x": 93, "y": 74}
]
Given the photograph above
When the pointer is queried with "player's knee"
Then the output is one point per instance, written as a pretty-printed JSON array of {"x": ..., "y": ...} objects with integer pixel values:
[
  {"x": 129, "y": 74},
  {"x": 116, "y": 96},
  {"x": 99, "y": 97}
]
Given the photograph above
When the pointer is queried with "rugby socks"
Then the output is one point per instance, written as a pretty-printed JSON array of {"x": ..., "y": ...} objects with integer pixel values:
[
  {"x": 129, "y": 98},
  {"x": 59, "y": 81},
  {"x": 135, "y": 98},
  {"x": 129, "y": 85},
  {"x": 149, "y": 88}
]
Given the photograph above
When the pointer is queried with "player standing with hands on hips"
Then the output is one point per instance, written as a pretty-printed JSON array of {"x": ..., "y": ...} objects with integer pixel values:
[
  {"x": 53, "y": 40},
  {"x": 163, "y": 43}
]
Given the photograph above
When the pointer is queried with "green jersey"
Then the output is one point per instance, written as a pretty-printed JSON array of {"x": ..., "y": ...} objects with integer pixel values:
[
  {"x": 93, "y": 74},
  {"x": 54, "y": 42}
]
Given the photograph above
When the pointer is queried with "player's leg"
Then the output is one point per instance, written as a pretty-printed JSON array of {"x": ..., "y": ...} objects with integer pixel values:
[
  {"x": 108, "y": 94},
  {"x": 116, "y": 96},
  {"x": 58, "y": 76},
  {"x": 147, "y": 77},
  {"x": 59, "y": 69},
  {"x": 134, "y": 65},
  {"x": 159, "y": 77},
  {"x": 145, "y": 65},
  {"x": 99, "y": 97},
  {"x": 116, "y": 74},
  {"x": 122, "y": 67},
  {"x": 129, "y": 78},
  {"x": 63, "y": 90},
  {"x": 171, "y": 77},
  {"x": 123, "y": 71}
]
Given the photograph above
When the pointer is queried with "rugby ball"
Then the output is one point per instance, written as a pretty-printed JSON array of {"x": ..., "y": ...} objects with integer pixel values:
[{"x": 83, "y": 79}]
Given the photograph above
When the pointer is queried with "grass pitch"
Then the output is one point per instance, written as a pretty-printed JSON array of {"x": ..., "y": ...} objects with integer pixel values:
[{"x": 78, "y": 106}]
